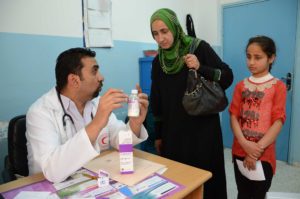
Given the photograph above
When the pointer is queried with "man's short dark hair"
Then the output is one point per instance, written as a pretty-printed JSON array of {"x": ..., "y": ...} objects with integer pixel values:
[{"x": 69, "y": 62}]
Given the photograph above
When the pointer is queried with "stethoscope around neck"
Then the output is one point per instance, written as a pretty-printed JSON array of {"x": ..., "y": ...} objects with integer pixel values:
[{"x": 66, "y": 115}]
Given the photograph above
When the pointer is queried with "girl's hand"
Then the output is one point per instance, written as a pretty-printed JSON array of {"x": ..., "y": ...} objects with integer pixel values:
[
  {"x": 249, "y": 163},
  {"x": 252, "y": 149},
  {"x": 191, "y": 61}
]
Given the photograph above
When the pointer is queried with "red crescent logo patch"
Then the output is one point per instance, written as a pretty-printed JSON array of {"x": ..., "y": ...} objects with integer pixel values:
[{"x": 104, "y": 140}]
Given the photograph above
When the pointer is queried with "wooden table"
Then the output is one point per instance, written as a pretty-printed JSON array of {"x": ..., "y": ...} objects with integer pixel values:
[{"x": 191, "y": 177}]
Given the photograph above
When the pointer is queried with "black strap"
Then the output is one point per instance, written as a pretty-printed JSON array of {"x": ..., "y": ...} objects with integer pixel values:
[
  {"x": 190, "y": 26},
  {"x": 194, "y": 45}
]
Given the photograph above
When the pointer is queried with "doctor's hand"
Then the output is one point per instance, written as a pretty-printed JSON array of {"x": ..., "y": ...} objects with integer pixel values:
[
  {"x": 136, "y": 122},
  {"x": 111, "y": 100}
]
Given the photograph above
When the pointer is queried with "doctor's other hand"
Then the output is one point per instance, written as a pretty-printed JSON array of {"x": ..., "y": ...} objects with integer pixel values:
[
  {"x": 144, "y": 103},
  {"x": 111, "y": 100}
]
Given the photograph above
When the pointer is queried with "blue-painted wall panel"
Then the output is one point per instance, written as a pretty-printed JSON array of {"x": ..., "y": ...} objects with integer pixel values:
[{"x": 28, "y": 63}]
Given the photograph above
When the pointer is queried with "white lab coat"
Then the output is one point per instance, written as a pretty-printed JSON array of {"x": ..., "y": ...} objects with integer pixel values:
[{"x": 59, "y": 152}]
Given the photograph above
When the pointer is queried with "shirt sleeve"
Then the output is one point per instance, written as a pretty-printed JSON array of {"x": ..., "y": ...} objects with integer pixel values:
[
  {"x": 279, "y": 103},
  {"x": 211, "y": 63},
  {"x": 48, "y": 154}
]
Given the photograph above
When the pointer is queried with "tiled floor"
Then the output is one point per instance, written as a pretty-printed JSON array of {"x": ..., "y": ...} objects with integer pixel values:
[{"x": 287, "y": 178}]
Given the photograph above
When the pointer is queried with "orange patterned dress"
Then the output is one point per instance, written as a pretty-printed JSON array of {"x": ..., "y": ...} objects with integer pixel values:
[{"x": 257, "y": 106}]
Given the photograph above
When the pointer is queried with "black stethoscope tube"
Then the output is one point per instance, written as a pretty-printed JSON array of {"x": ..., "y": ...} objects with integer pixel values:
[
  {"x": 64, "y": 110},
  {"x": 66, "y": 115}
]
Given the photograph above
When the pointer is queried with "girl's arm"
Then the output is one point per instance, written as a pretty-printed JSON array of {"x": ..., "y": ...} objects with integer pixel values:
[
  {"x": 271, "y": 134},
  {"x": 253, "y": 150},
  {"x": 278, "y": 115}
]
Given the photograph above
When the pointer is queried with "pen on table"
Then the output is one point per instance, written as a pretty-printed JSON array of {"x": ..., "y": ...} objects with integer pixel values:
[
  {"x": 167, "y": 190},
  {"x": 90, "y": 176}
]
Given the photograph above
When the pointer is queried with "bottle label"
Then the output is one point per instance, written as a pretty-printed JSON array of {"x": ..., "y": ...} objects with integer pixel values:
[{"x": 133, "y": 108}]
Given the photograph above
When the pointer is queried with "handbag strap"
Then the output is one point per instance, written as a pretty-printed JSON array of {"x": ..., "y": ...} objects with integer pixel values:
[
  {"x": 190, "y": 26},
  {"x": 194, "y": 45},
  {"x": 217, "y": 72}
]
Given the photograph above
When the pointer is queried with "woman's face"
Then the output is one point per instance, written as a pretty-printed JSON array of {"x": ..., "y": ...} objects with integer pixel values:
[{"x": 162, "y": 35}]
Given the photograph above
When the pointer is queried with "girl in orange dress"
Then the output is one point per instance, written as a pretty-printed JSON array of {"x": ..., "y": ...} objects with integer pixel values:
[{"x": 257, "y": 114}]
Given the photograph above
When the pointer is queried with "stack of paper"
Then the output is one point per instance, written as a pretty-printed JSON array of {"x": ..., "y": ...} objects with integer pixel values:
[{"x": 111, "y": 164}]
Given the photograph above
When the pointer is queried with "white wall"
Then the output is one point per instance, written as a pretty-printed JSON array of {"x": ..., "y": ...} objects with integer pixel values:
[
  {"x": 206, "y": 20},
  {"x": 231, "y": 1},
  {"x": 237, "y": 1},
  {"x": 130, "y": 18},
  {"x": 42, "y": 17},
  {"x": 135, "y": 26}
]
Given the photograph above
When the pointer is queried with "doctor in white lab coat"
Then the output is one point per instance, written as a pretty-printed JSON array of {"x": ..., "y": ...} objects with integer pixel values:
[{"x": 70, "y": 125}]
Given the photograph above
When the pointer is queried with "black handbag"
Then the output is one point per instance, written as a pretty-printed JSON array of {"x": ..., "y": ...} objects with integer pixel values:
[{"x": 203, "y": 97}]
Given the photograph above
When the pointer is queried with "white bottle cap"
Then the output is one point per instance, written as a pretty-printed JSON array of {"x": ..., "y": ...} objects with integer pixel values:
[{"x": 134, "y": 91}]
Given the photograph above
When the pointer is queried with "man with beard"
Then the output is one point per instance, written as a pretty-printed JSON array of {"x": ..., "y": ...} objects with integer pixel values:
[{"x": 70, "y": 125}]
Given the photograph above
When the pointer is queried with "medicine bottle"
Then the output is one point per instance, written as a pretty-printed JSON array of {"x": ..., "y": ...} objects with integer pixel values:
[{"x": 133, "y": 104}]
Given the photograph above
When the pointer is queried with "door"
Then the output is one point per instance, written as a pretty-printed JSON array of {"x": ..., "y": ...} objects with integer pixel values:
[{"x": 273, "y": 18}]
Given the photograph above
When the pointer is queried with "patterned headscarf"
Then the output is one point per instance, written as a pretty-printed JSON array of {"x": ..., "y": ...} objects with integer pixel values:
[{"x": 171, "y": 60}]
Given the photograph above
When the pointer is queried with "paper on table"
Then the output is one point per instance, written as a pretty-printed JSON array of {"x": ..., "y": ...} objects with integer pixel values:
[
  {"x": 110, "y": 163},
  {"x": 257, "y": 174},
  {"x": 33, "y": 195}
]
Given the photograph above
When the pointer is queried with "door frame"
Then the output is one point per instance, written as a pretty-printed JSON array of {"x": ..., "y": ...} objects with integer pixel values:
[{"x": 293, "y": 157}]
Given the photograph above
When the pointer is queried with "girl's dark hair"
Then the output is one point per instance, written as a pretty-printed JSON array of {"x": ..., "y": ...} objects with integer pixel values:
[
  {"x": 266, "y": 43},
  {"x": 69, "y": 62}
]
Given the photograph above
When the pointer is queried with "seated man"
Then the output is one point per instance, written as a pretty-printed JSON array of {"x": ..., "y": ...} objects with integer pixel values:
[{"x": 69, "y": 125}]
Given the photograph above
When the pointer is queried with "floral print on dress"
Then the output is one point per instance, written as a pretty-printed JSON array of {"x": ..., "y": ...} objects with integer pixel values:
[{"x": 252, "y": 98}]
